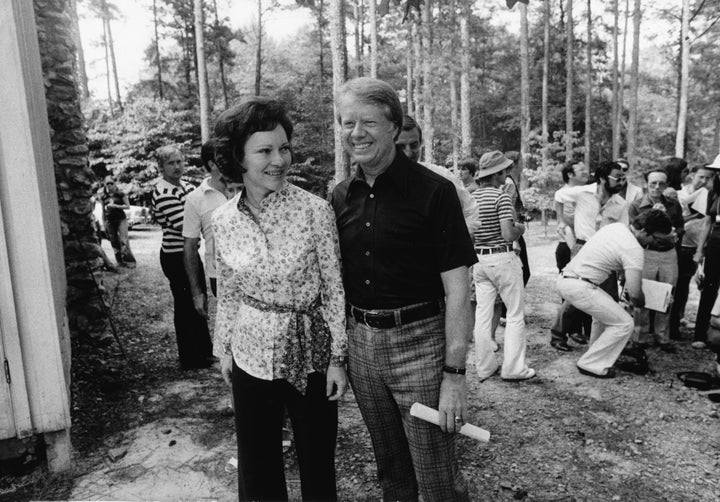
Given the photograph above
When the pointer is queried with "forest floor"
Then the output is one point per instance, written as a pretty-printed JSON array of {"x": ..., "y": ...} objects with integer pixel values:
[{"x": 144, "y": 430}]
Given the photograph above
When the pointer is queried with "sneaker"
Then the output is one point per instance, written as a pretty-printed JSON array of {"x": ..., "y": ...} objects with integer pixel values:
[{"x": 698, "y": 344}]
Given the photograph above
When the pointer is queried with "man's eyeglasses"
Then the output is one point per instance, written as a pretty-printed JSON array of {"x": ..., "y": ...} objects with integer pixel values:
[{"x": 617, "y": 178}]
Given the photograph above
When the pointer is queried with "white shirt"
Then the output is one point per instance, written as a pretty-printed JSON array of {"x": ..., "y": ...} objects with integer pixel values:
[
  {"x": 197, "y": 216},
  {"x": 611, "y": 249},
  {"x": 589, "y": 214},
  {"x": 467, "y": 202}
]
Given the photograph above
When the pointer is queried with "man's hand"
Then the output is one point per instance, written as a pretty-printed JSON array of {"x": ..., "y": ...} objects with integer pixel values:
[
  {"x": 337, "y": 381},
  {"x": 200, "y": 303},
  {"x": 226, "y": 369},
  {"x": 453, "y": 402}
]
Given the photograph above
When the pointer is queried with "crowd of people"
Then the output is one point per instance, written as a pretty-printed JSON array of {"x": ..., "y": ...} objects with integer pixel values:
[{"x": 385, "y": 285}]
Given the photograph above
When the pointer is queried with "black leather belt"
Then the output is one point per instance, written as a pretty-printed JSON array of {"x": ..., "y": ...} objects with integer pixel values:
[
  {"x": 499, "y": 249},
  {"x": 580, "y": 241},
  {"x": 386, "y": 319}
]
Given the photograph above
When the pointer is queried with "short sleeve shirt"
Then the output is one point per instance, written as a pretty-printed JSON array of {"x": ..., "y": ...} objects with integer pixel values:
[
  {"x": 613, "y": 248},
  {"x": 399, "y": 235},
  {"x": 494, "y": 206},
  {"x": 197, "y": 218}
]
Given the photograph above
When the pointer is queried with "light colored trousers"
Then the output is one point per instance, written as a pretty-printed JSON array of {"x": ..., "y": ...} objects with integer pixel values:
[
  {"x": 611, "y": 328},
  {"x": 661, "y": 266},
  {"x": 494, "y": 274}
]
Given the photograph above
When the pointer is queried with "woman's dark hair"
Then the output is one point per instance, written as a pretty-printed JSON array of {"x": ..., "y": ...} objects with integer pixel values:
[
  {"x": 235, "y": 126},
  {"x": 653, "y": 221}
]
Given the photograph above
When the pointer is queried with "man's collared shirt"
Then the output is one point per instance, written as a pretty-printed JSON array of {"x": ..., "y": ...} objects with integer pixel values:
[
  {"x": 199, "y": 207},
  {"x": 672, "y": 208},
  {"x": 467, "y": 203},
  {"x": 589, "y": 214},
  {"x": 397, "y": 236}
]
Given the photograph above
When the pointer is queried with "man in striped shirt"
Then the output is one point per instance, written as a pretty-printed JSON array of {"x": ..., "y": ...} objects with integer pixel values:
[
  {"x": 498, "y": 272},
  {"x": 168, "y": 199}
]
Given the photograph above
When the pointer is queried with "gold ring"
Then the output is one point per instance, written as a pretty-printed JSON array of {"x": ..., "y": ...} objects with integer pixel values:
[{"x": 458, "y": 419}]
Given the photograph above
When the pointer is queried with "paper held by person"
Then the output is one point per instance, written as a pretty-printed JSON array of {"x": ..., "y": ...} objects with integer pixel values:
[
  {"x": 433, "y": 416},
  {"x": 658, "y": 295}
]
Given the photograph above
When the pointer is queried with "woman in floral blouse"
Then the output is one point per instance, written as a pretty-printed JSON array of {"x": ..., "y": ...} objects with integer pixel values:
[{"x": 280, "y": 327}]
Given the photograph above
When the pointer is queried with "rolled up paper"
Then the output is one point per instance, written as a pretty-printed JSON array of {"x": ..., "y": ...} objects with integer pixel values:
[{"x": 433, "y": 416}]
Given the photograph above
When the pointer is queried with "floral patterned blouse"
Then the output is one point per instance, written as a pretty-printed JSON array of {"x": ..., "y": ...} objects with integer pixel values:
[{"x": 281, "y": 303}]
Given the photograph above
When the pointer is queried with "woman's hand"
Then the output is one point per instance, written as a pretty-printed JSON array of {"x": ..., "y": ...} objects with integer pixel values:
[
  {"x": 337, "y": 378},
  {"x": 226, "y": 368}
]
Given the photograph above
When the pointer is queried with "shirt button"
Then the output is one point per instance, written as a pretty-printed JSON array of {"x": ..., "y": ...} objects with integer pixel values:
[
  {"x": 367, "y": 223},
  {"x": 372, "y": 195},
  {"x": 367, "y": 281},
  {"x": 367, "y": 253}
]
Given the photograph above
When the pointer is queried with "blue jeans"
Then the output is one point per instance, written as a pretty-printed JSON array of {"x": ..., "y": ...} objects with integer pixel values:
[{"x": 390, "y": 369}]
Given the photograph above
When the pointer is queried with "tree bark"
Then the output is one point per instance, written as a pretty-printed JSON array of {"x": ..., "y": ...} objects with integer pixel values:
[
  {"x": 614, "y": 109},
  {"x": 373, "y": 39},
  {"x": 111, "y": 45},
  {"x": 157, "y": 52},
  {"x": 258, "y": 50},
  {"x": 221, "y": 60},
  {"x": 428, "y": 131},
  {"x": 454, "y": 120},
  {"x": 621, "y": 93},
  {"x": 358, "y": 39},
  {"x": 417, "y": 55},
  {"x": 524, "y": 88},
  {"x": 465, "y": 126},
  {"x": 107, "y": 68},
  {"x": 588, "y": 85},
  {"x": 81, "y": 67},
  {"x": 203, "y": 88},
  {"x": 339, "y": 59},
  {"x": 409, "y": 75},
  {"x": 684, "y": 78},
  {"x": 546, "y": 72},
  {"x": 634, "y": 87},
  {"x": 569, "y": 62}
]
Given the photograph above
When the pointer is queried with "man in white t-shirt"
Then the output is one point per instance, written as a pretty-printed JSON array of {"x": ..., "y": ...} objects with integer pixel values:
[
  {"x": 614, "y": 248},
  {"x": 199, "y": 207}
]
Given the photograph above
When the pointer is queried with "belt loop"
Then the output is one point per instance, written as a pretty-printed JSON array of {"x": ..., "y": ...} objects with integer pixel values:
[{"x": 398, "y": 317}]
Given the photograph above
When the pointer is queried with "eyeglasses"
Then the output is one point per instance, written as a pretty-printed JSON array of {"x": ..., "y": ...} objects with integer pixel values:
[
  {"x": 657, "y": 184},
  {"x": 616, "y": 178}
]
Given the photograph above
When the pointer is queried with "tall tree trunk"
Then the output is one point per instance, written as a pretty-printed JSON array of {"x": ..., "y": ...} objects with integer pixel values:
[
  {"x": 428, "y": 131},
  {"x": 614, "y": 108},
  {"x": 358, "y": 38},
  {"x": 373, "y": 39},
  {"x": 569, "y": 63},
  {"x": 221, "y": 60},
  {"x": 634, "y": 87},
  {"x": 546, "y": 71},
  {"x": 524, "y": 88},
  {"x": 454, "y": 121},
  {"x": 258, "y": 50},
  {"x": 465, "y": 127},
  {"x": 203, "y": 88},
  {"x": 339, "y": 59},
  {"x": 81, "y": 68},
  {"x": 716, "y": 137},
  {"x": 111, "y": 45},
  {"x": 684, "y": 77},
  {"x": 409, "y": 72},
  {"x": 621, "y": 93},
  {"x": 157, "y": 52},
  {"x": 417, "y": 55},
  {"x": 588, "y": 85},
  {"x": 107, "y": 68}
]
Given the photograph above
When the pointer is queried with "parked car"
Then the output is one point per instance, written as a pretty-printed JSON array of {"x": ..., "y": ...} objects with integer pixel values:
[{"x": 137, "y": 215}]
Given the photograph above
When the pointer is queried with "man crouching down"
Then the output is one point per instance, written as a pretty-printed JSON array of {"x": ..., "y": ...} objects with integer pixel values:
[{"x": 613, "y": 248}]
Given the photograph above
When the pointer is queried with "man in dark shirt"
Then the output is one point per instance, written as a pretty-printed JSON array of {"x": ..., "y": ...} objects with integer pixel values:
[{"x": 405, "y": 251}]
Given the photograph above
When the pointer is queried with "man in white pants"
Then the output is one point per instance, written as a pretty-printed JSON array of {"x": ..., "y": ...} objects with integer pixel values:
[{"x": 613, "y": 248}]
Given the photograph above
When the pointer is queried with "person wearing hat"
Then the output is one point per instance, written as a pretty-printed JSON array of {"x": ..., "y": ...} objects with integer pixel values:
[
  {"x": 498, "y": 272},
  {"x": 707, "y": 257}
]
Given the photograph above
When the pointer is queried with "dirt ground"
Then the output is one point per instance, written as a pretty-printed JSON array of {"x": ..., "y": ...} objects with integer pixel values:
[{"x": 144, "y": 430}]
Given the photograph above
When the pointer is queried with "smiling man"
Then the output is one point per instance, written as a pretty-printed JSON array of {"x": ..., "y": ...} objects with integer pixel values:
[
  {"x": 168, "y": 198},
  {"x": 405, "y": 253}
]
